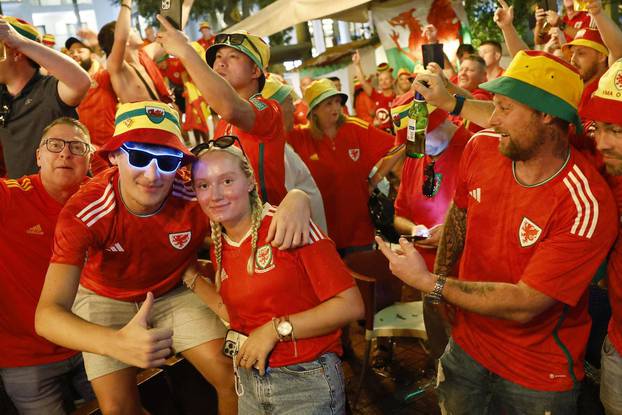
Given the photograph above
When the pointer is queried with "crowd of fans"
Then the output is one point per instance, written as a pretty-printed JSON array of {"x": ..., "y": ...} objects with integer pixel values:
[{"x": 508, "y": 223}]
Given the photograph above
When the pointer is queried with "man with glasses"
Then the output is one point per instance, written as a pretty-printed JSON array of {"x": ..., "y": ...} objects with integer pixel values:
[
  {"x": 37, "y": 374},
  {"x": 29, "y": 101},
  {"x": 530, "y": 223},
  {"x": 231, "y": 82}
]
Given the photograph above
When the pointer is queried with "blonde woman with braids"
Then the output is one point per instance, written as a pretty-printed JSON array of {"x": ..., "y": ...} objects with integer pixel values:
[{"x": 290, "y": 303}]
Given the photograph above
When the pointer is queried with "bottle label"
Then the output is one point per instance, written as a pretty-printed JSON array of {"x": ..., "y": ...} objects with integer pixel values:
[{"x": 412, "y": 130}]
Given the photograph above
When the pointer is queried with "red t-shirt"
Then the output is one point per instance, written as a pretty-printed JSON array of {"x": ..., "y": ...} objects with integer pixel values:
[
  {"x": 28, "y": 215},
  {"x": 164, "y": 94},
  {"x": 128, "y": 255},
  {"x": 97, "y": 111},
  {"x": 264, "y": 146},
  {"x": 410, "y": 202},
  {"x": 206, "y": 43},
  {"x": 284, "y": 283},
  {"x": 383, "y": 109},
  {"x": 581, "y": 20},
  {"x": 614, "y": 273},
  {"x": 552, "y": 237},
  {"x": 340, "y": 167},
  {"x": 300, "y": 112},
  {"x": 478, "y": 94},
  {"x": 364, "y": 106}
]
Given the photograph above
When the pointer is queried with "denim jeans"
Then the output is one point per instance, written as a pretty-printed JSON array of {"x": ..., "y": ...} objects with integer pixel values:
[
  {"x": 611, "y": 379},
  {"x": 47, "y": 389},
  {"x": 309, "y": 388},
  {"x": 466, "y": 387}
]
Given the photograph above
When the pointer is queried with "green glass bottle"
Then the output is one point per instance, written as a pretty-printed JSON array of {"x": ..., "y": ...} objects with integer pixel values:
[{"x": 417, "y": 124}]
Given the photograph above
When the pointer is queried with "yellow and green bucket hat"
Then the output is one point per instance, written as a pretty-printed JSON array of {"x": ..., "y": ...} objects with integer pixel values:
[
  {"x": 23, "y": 28},
  {"x": 542, "y": 82},
  {"x": 320, "y": 90},
  {"x": 274, "y": 89},
  {"x": 149, "y": 122},
  {"x": 251, "y": 45}
]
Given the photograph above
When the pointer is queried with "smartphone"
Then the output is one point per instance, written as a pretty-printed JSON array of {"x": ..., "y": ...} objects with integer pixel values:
[
  {"x": 413, "y": 238},
  {"x": 433, "y": 52},
  {"x": 548, "y": 5},
  {"x": 233, "y": 342},
  {"x": 171, "y": 10}
]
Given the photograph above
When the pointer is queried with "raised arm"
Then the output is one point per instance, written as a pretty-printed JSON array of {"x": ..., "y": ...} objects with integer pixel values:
[
  {"x": 356, "y": 60},
  {"x": 73, "y": 81},
  {"x": 609, "y": 30},
  {"x": 115, "y": 60},
  {"x": 225, "y": 101},
  {"x": 134, "y": 344},
  {"x": 504, "y": 17}
]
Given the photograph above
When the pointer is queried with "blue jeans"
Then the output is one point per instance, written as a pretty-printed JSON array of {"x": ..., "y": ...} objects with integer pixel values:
[
  {"x": 466, "y": 387},
  {"x": 309, "y": 388},
  {"x": 611, "y": 379},
  {"x": 47, "y": 389}
]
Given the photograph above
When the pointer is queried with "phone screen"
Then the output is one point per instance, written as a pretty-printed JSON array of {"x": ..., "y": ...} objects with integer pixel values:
[{"x": 433, "y": 52}]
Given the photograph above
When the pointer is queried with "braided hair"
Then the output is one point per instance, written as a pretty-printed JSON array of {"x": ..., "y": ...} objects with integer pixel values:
[{"x": 256, "y": 206}]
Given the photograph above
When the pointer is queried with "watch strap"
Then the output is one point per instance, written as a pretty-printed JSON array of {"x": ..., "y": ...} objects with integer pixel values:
[
  {"x": 436, "y": 295},
  {"x": 459, "y": 104}
]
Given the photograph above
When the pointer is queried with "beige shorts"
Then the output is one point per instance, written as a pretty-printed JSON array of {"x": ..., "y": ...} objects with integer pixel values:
[{"x": 192, "y": 321}]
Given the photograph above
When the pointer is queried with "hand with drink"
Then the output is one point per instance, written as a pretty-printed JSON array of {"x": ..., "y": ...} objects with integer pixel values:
[{"x": 433, "y": 90}]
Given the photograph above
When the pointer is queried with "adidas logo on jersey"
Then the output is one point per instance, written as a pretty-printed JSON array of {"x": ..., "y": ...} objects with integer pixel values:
[
  {"x": 476, "y": 194},
  {"x": 115, "y": 248},
  {"x": 35, "y": 230}
]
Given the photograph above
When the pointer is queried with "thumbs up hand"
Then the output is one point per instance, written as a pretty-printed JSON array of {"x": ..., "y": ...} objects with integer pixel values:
[{"x": 139, "y": 345}]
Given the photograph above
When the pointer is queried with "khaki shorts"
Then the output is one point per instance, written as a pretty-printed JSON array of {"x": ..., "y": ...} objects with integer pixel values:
[{"x": 193, "y": 323}]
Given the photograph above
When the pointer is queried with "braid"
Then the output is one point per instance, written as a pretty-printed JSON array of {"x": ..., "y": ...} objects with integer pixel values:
[
  {"x": 256, "y": 209},
  {"x": 217, "y": 240}
]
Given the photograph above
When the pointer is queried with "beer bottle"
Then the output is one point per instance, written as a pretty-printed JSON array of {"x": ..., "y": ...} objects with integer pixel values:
[{"x": 417, "y": 124}]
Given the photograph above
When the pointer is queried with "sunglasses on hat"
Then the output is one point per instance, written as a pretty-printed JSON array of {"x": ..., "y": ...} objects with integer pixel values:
[
  {"x": 167, "y": 163},
  {"x": 220, "y": 142},
  {"x": 234, "y": 39}
]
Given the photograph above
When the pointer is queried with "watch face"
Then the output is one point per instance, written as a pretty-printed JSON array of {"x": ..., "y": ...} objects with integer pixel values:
[{"x": 285, "y": 328}]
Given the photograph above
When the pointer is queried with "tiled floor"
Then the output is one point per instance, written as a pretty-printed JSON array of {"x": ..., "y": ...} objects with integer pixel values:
[{"x": 397, "y": 394}]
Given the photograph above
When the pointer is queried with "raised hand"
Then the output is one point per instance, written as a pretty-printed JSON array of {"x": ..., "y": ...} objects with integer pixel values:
[
  {"x": 504, "y": 15},
  {"x": 430, "y": 33},
  {"x": 139, "y": 345},
  {"x": 356, "y": 58}
]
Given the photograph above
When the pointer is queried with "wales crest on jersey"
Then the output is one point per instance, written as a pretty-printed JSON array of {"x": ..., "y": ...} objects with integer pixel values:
[
  {"x": 528, "y": 233},
  {"x": 264, "y": 259}
]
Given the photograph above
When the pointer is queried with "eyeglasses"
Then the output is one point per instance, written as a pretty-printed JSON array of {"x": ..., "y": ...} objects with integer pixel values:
[
  {"x": 429, "y": 182},
  {"x": 167, "y": 163},
  {"x": 234, "y": 39},
  {"x": 220, "y": 142},
  {"x": 56, "y": 145}
]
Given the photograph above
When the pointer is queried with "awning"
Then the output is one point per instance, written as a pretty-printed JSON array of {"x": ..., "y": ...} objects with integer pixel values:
[{"x": 283, "y": 14}]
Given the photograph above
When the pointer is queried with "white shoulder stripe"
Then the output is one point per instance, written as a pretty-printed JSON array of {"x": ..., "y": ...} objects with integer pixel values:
[
  {"x": 590, "y": 195},
  {"x": 98, "y": 209},
  {"x": 315, "y": 233},
  {"x": 585, "y": 203},
  {"x": 101, "y": 199},
  {"x": 101, "y": 215}
]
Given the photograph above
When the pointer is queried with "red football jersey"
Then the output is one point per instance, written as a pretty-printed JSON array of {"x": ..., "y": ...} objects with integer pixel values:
[
  {"x": 300, "y": 112},
  {"x": 128, "y": 255},
  {"x": 383, "y": 109},
  {"x": 264, "y": 146},
  {"x": 614, "y": 273},
  {"x": 340, "y": 167},
  {"x": 410, "y": 202},
  {"x": 581, "y": 20},
  {"x": 284, "y": 283},
  {"x": 552, "y": 237},
  {"x": 28, "y": 215}
]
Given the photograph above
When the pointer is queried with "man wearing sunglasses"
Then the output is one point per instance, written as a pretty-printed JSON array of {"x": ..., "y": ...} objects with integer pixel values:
[
  {"x": 34, "y": 371},
  {"x": 29, "y": 101},
  {"x": 231, "y": 82},
  {"x": 121, "y": 246}
]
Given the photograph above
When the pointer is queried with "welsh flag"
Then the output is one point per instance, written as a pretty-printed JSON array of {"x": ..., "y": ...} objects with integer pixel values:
[{"x": 399, "y": 24}]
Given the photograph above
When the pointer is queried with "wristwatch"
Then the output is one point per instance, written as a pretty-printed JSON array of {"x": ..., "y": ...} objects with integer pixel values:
[
  {"x": 459, "y": 104},
  {"x": 283, "y": 327},
  {"x": 436, "y": 295}
]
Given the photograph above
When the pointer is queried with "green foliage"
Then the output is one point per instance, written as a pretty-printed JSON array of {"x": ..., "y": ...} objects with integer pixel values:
[{"x": 481, "y": 23}]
